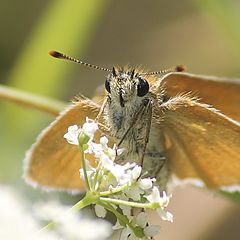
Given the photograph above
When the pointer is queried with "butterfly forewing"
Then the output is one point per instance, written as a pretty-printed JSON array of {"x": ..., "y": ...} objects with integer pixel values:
[
  {"x": 223, "y": 94},
  {"x": 206, "y": 140},
  {"x": 54, "y": 163}
]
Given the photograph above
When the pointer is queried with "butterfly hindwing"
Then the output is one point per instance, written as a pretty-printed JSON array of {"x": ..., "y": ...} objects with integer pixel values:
[
  {"x": 52, "y": 162},
  {"x": 203, "y": 143}
]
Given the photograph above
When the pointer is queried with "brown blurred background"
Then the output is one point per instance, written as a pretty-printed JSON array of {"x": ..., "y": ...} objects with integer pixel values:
[{"x": 203, "y": 35}]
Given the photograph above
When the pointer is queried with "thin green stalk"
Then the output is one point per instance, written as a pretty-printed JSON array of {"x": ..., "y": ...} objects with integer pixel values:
[
  {"x": 114, "y": 191},
  {"x": 128, "y": 203},
  {"x": 87, "y": 200},
  {"x": 121, "y": 218},
  {"x": 48, "y": 227},
  {"x": 96, "y": 179},
  {"x": 84, "y": 169},
  {"x": 29, "y": 100}
]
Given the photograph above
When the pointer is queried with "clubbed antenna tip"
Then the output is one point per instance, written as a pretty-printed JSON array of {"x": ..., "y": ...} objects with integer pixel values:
[
  {"x": 64, "y": 56},
  {"x": 56, "y": 54},
  {"x": 180, "y": 68}
]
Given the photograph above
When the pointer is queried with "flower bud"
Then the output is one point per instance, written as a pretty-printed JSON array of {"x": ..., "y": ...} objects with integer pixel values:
[{"x": 83, "y": 140}]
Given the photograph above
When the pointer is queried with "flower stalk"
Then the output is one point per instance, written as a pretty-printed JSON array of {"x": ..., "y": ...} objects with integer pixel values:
[
  {"x": 84, "y": 168},
  {"x": 129, "y": 203}
]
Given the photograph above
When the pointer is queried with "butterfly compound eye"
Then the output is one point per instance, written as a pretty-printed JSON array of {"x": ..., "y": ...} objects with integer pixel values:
[
  {"x": 142, "y": 87},
  {"x": 107, "y": 85}
]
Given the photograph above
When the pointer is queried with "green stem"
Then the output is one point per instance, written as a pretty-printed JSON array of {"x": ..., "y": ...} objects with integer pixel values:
[
  {"x": 29, "y": 100},
  {"x": 87, "y": 200},
  {"x": 96, "y": 178},
  {"x": 122, "y": 218},
  {"x": 128, "y": 203},
  {"x": 48, "y": 227},
  {"x": 84, "y": 169},
  {"x": 113, "y": 191}
]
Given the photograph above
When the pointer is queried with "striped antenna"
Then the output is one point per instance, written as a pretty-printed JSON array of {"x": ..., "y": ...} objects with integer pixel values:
[
  {"x": 179, "y": 68},
  {"x": 63, "y": 56}
]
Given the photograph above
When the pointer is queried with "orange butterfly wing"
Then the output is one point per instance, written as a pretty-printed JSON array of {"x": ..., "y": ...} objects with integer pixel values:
[
  {"x": 54, "y": 163},
  {"x": 202, "y": 143},
  {"x": 222, "y": 93}
]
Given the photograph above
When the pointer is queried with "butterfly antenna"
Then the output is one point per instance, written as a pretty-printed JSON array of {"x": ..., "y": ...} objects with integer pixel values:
[
  {"x": 179, "y": 68},
  {"x": 65, "y": 57}
]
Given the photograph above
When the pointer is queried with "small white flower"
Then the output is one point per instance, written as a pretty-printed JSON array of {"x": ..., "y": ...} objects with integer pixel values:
[
  {"x": 119, "y": 173},
  {"x": 151, "y": 231},
  {"x": 96, "y": 149},
  {"x": 134, "y": 192},
  {"x": 72, "y": 134},
  {"x": 141, "y": 219},
  {"x": 126, "y": 210},
  {"x": 104, "y": 141},
  {"x": 113, "y": 152},
  {"x": 125, "y": 233},
  {"x": 165, "y": 200},
  {"x": 107, "y": 163},
  {"x": 165, "y": 215},
  {"x": 89, "y": 128},
  {"x": 125, "y": 174},
  {"x": 101, "y": 151},
  {"x": 136, "y": 172},
  {"x": 146, "y": 183},
  {"x": 100, "y": 211},
  {"x": 154, "y": 197}
]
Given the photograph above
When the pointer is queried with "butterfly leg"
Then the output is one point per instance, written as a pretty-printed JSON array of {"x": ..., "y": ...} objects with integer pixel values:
[
  {"x": 155, "y": 166},
  {"x": 148, "y": 116},
  {"x": 101, "y": 110},
  {"x": 103, "y": 128}
]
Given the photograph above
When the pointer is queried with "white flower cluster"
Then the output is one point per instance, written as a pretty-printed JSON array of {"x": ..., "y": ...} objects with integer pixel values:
[
  {"x": 141, "y": 221},
  {"x": 89, "y": 128},
  {"x": 17, "y": 221},
  {"x": 66, "y": 223},
  {"x": 121, "y": 186}
]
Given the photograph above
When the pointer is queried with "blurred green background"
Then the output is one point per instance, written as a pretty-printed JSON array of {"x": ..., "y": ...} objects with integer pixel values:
[{"x": 203, "y": 35}]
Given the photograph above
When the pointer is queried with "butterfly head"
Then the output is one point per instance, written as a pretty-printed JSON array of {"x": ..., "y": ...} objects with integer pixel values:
[{"x": 126, "y": 85}]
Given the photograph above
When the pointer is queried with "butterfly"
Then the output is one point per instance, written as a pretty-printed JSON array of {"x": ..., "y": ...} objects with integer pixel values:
[{"x": 177, "y": 125}]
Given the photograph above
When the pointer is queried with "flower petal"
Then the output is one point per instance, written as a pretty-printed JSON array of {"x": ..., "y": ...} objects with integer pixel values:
[
  {"x": 72, "y": 134},
  {"x": 165, "y": 215},
  {"x": 100, "y": 211},
  {"x": 90, "y": 127}
]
